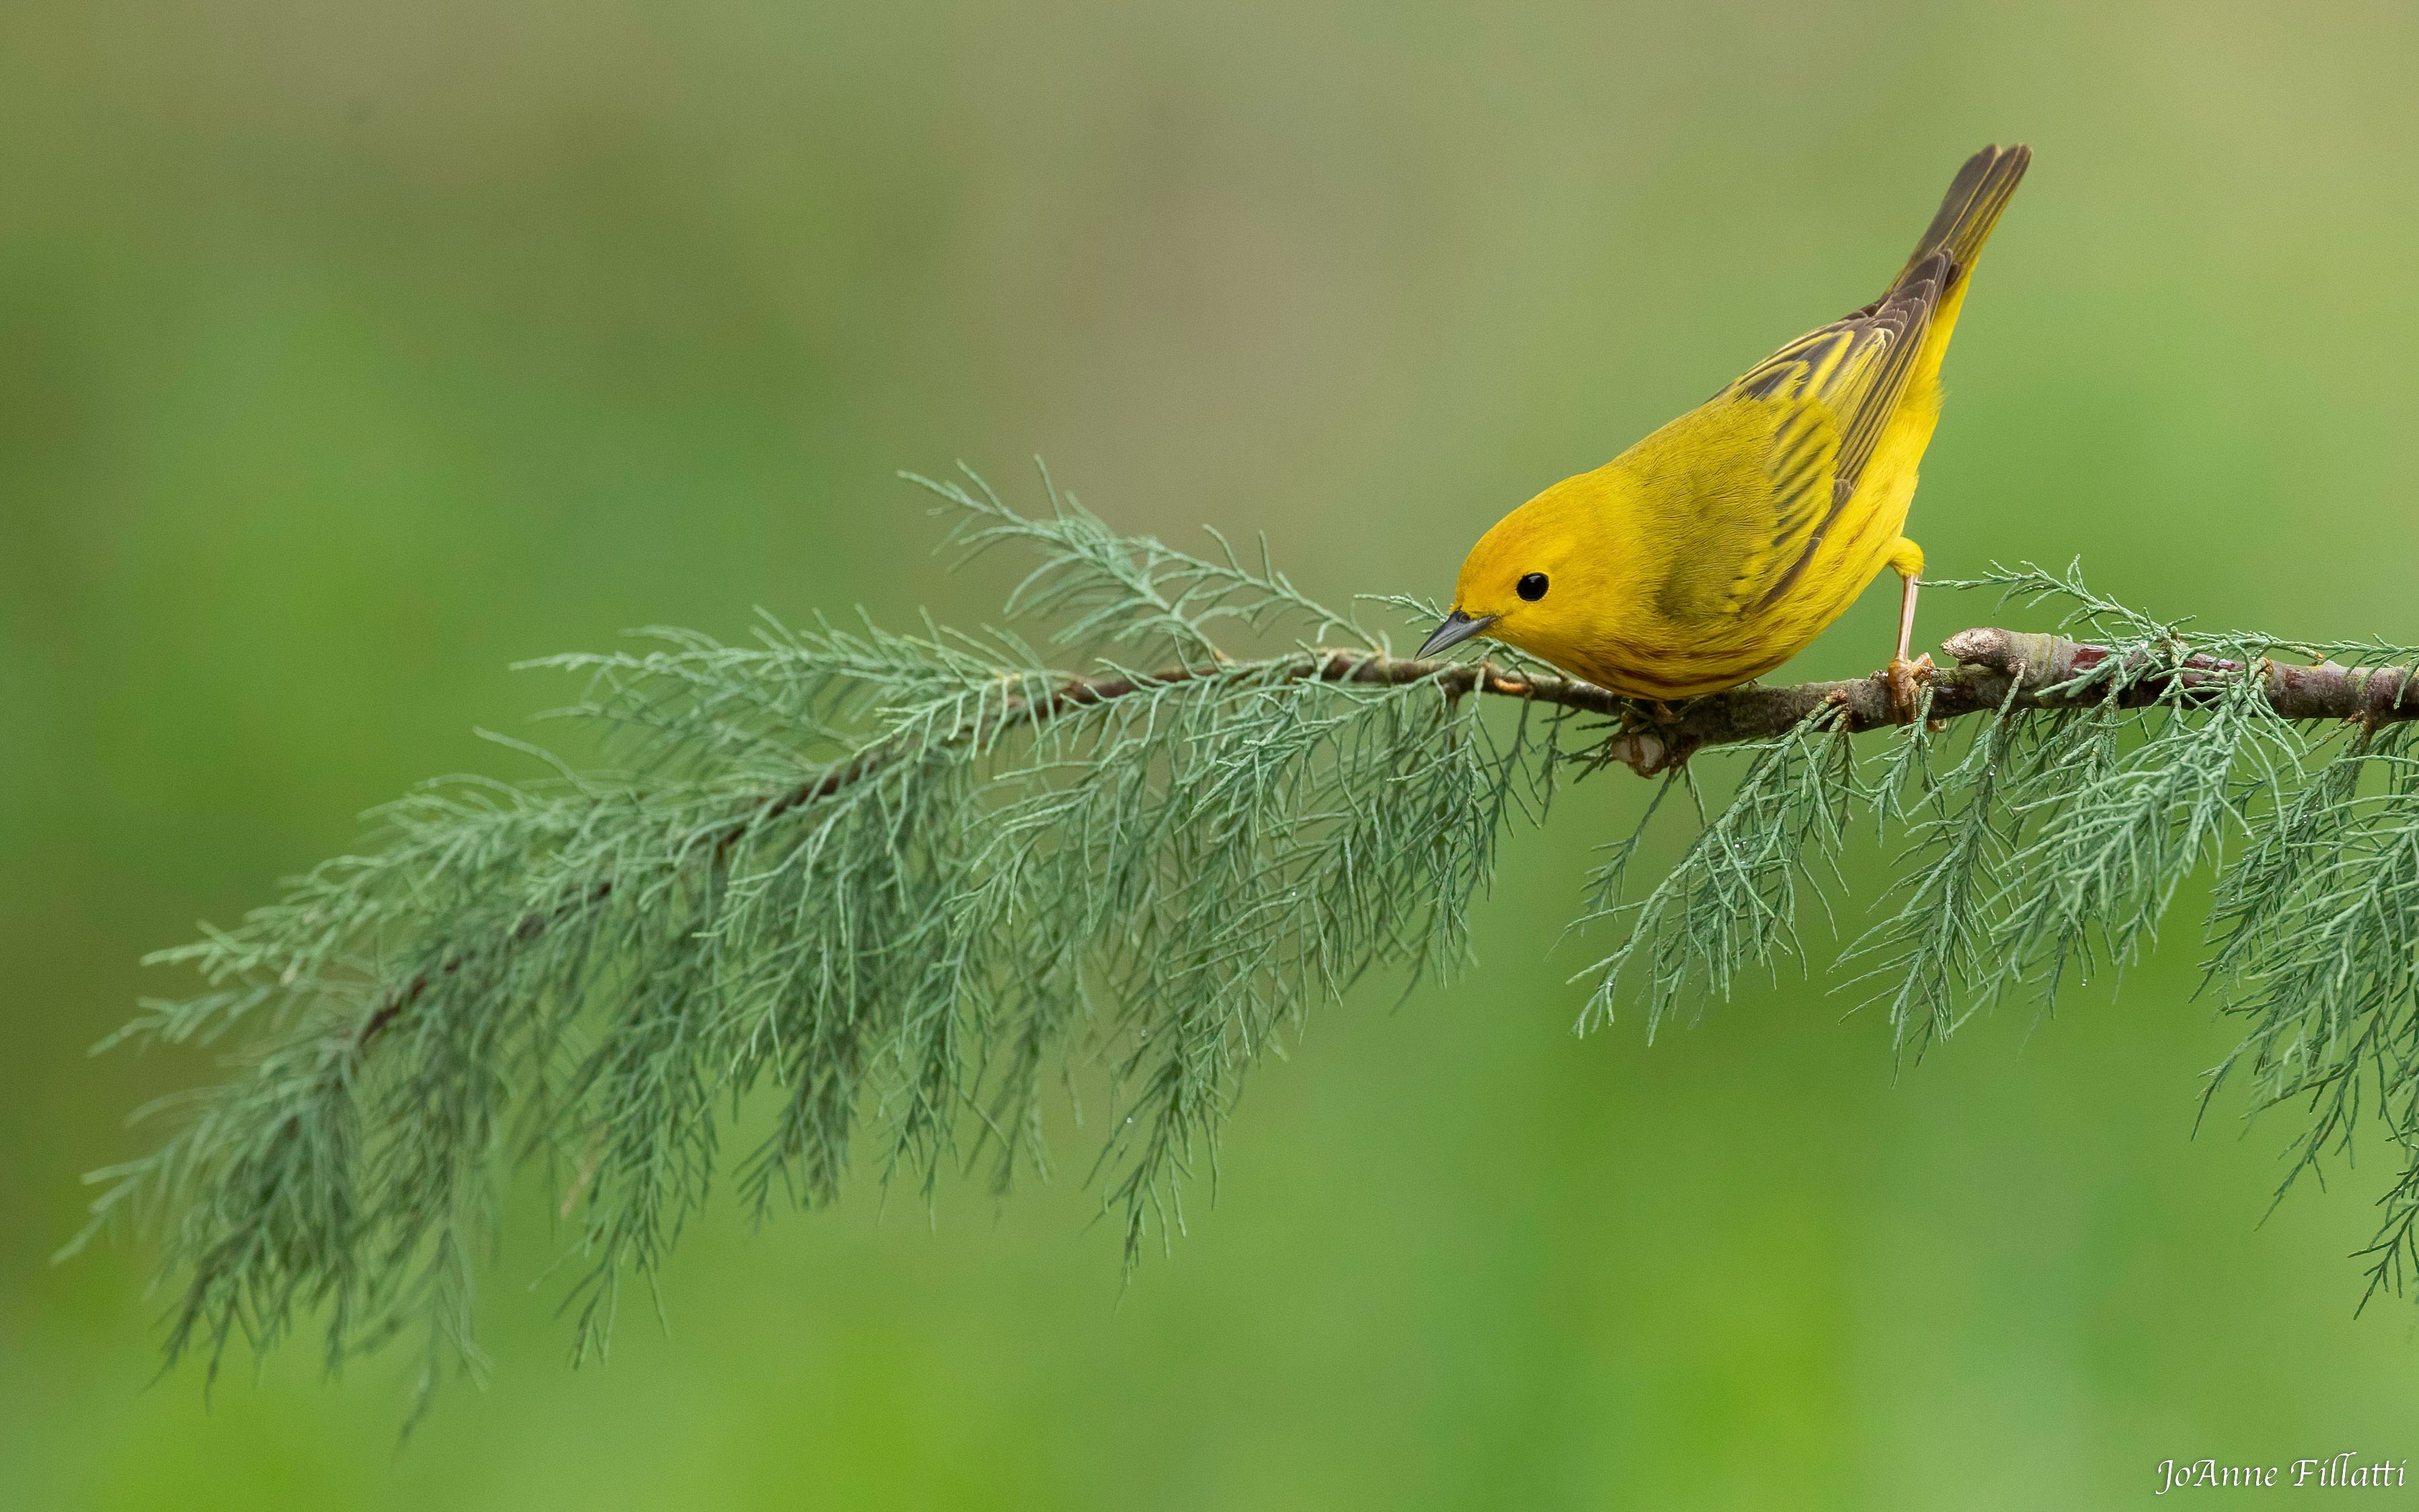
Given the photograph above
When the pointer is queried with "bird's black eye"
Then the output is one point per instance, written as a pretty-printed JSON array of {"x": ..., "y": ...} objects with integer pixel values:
[{"x": 1532, "y": 588}]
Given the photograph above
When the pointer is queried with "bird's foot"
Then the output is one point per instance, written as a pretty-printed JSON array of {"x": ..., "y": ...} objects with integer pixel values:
[
  {"x": 1906, "y": 679},
  {"x": 1650, "y": 739}
]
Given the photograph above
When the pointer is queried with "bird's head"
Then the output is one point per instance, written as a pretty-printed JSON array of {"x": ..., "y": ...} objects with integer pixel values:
[{"x": 1531, "y": 581}]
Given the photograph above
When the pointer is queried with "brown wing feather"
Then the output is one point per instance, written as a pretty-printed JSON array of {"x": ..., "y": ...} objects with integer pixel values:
[
  {"x": 1835, "y": 390},
  {"x": 1857, "y": 368},
  {"x": 1970, "y": 209}
]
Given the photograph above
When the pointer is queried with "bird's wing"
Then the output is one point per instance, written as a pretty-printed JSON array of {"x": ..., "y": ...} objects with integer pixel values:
[
  {"x": 1826, "y": 397},
  {"x": 1857, "y": 366},
  {"x": 1767, "y": 465},
  {"x": 1746, "y": 481}
]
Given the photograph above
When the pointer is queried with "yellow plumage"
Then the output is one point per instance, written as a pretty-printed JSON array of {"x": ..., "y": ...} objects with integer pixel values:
[{"x": 1715, "y": 548}]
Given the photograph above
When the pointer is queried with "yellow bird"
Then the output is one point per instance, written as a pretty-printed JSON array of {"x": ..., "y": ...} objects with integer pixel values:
[{"x": 1718, "y": 548}]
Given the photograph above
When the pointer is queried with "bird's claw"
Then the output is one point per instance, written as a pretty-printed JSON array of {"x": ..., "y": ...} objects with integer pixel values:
[{"x": 1905, "y": 680}]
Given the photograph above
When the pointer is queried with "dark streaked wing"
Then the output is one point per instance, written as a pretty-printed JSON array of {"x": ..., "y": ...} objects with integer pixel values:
[{"x": 1857, "y": 368}]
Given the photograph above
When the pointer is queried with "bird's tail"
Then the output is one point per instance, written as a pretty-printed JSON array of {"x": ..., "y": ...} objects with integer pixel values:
[{"x": 1968, "y": 211}]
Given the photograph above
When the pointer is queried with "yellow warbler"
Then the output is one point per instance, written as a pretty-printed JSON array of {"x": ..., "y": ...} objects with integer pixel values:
[{"x": 1715, "y": 548}]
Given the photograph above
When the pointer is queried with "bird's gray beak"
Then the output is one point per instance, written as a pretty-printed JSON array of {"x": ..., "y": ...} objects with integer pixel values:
[{"x": 1456, "y": 628}]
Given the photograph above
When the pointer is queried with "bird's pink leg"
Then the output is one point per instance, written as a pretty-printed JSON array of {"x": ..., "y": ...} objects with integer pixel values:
[{"x": 1906, "y": 678}]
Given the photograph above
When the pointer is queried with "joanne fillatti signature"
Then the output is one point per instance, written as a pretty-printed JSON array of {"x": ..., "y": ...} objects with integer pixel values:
[{"x": 2344, "y": 1472}]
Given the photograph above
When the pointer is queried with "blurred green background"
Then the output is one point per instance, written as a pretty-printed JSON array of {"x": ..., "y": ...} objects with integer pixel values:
[{"x": 348, "y": 352}]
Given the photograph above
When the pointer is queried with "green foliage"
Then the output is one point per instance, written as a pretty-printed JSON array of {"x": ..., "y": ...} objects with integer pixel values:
[
  {"x": 2050, "y": 845},
  {"x": 877, "y": 893},
  {"x": 1730, "y": 906},
  {"x": 895, "y": 883}
]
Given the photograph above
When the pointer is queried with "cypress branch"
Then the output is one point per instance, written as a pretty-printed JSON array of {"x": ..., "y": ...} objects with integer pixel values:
[
  {"x": 1998, "y": 669},
  {"x": 858, "y": 884}
]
